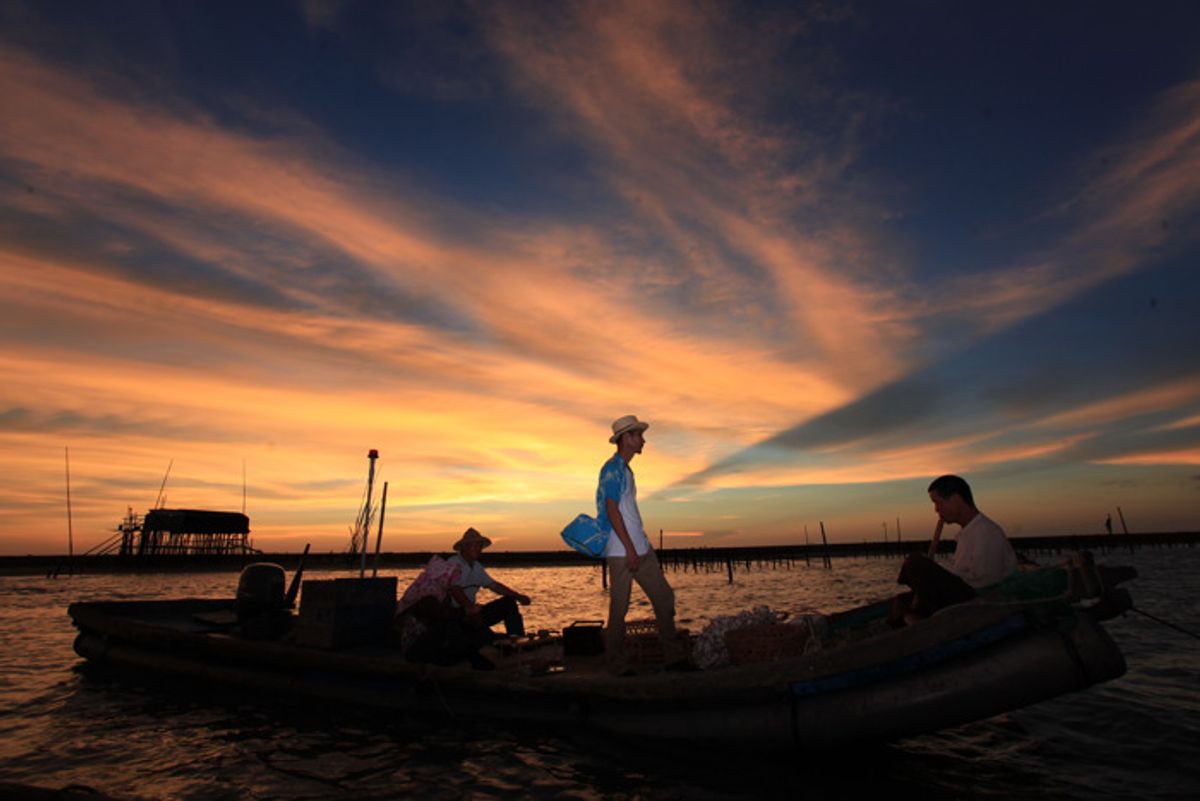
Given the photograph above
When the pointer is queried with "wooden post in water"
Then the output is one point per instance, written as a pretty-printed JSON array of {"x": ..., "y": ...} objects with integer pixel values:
[
  {"x": 897, "y": 533},
  {"x": 729, "y": 568},
  {"x": 825, "y": 542},
  {"x": 70, "y": 530},
  {"x": 806, "y": 544}
]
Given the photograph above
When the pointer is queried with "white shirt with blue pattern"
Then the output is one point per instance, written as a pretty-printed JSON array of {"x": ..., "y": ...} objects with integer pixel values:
[{"x": 617, "y": 483}]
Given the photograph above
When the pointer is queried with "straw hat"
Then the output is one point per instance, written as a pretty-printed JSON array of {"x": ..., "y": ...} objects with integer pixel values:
[
  {"x": 627, "y": 423},
  {"x": 470, "y": 537}
]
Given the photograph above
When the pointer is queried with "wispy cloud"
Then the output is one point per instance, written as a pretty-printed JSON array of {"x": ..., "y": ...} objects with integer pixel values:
[
  {"x": 1064, "y": 305},
  {"x": 182, "y": 280}
]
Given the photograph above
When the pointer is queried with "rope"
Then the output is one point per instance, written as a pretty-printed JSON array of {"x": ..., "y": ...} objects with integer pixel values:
[{"x": 1165, "y": 623}]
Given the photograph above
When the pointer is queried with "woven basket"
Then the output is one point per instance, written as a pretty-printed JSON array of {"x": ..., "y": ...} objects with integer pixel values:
[
  {"x": 642, "y": 643},
  {"x": 765, "y": 642}
]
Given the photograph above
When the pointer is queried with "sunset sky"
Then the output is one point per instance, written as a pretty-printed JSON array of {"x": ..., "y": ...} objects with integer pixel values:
[{"x": 829, "y": 251}]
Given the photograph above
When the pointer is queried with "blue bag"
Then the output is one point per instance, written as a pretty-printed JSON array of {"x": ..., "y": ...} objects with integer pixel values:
[{"x": 584, "y": 535}]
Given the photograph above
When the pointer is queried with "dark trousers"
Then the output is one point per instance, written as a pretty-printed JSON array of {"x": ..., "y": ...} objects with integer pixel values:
[
  {"x": 446, "y": 639},
  {"x": 504, "y": 610},
  {"x": 933, "y": 588}
]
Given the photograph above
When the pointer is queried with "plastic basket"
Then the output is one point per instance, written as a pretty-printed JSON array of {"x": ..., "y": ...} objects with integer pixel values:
[
  {"x": 765, "y": 642},
  {"x": 643, "y": 645}
]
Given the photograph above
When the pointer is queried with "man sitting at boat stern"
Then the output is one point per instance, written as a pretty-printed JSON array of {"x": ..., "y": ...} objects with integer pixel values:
[
  {"x": 471, "y": 577},
  {"x": 983, "y": 557}
]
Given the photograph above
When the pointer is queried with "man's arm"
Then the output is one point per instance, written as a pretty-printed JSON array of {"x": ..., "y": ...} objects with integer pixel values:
[
  {"x": 472, "y": 609},
  {"x": 503, "y": 590},
  {"x": 618, "y": 525}
]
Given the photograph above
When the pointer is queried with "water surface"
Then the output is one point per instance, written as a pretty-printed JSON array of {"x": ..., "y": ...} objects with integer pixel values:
[{"x": 1136, "y": 737}]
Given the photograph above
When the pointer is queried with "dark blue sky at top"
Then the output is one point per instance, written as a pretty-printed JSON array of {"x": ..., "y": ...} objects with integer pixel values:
[
  {"x": 978, "y": 113},
  {"x": 989, "y": 103},
  {"x": 412, "y": 92},
  {"x": 997, "y": 102}
]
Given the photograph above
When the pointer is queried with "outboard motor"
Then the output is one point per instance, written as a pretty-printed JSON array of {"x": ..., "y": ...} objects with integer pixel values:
[{"x": 262, "y": 608}]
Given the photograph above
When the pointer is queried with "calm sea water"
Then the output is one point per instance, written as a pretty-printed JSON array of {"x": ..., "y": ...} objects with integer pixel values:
[{"x": 1136, "y": 737}]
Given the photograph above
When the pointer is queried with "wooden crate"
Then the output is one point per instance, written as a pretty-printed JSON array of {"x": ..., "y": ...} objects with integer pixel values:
[{"x": 338, "y": 613}]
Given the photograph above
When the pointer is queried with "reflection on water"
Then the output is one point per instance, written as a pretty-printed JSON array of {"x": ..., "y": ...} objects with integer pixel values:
[{"x": 60, "y": 724}]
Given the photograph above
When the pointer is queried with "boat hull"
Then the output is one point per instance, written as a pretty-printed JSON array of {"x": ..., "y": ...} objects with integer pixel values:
[{"x": 953, "y": 669}]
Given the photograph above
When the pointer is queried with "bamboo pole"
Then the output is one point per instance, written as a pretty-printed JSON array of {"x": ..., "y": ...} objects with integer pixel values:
[
  {"x": 162, "y": 499},
  {"x": 379, "y": 535},
  {"x": 366, "y": 525}
]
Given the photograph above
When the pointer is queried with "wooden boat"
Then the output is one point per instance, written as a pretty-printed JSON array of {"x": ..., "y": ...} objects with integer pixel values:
[{"x": 965, "y": 663}]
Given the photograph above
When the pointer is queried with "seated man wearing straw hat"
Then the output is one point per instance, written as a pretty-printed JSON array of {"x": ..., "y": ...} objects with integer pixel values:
[{"x": 471, "y": 577}]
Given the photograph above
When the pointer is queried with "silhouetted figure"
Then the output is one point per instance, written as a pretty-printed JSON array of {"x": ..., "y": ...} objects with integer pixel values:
[{"x": 982, "y": 557}]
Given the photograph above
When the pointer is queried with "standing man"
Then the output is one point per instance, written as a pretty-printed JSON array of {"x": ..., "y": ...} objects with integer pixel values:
[
  {"x": 628, "y": 553},
  {"x": 983, "y": 556},
  {"x": 471, "y": 577}
]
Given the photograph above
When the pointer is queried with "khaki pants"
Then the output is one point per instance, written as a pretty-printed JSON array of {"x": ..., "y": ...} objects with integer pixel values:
[{"x": 650, "y": 578}]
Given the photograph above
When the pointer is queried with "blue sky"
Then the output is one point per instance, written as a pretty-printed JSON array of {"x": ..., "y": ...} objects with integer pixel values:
[{"x": 830, "y": 251}]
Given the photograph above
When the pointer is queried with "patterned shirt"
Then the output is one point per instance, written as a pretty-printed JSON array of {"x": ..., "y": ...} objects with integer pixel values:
[
  {"x": 470, "y": 577},
  {"x": 617, "y": 483}
]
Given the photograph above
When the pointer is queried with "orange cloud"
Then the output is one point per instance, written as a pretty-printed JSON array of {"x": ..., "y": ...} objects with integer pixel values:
[
  {"x": 1140, "y": 401},
  {"x": 1183, "y": 456}
]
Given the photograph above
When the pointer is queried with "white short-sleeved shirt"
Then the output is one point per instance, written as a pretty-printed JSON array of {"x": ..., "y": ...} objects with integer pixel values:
[
  {"x": 470, "y": 577},
  {"x": 982, "y": 554},
  {"x": 617, "y": 483}
]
